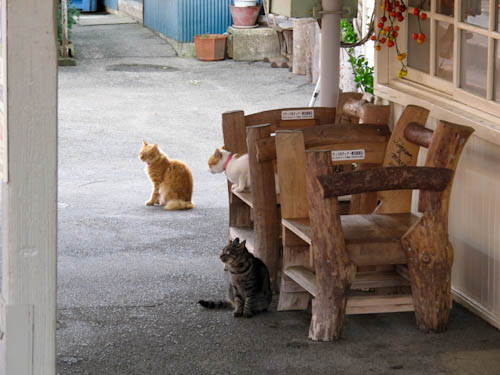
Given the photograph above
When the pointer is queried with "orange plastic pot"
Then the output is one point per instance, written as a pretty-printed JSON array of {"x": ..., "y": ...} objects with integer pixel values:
[{"x": 210, "y": 47}]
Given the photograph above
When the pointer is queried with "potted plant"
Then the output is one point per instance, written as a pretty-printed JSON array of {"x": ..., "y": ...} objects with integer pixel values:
[
  {"x": 244, "y": 16},
  {"x": 210, "y": 47}
]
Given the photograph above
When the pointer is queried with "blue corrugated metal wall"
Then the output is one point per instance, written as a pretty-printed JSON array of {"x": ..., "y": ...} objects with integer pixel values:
[
  {"x": 183, "y": 19},
  {"x": 113, "y": 4}
]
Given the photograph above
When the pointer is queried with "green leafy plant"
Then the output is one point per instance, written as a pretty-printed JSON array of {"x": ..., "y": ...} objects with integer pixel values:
[
  {"x": 363, "y": 73},
  {"x": 72, "y": 14}
]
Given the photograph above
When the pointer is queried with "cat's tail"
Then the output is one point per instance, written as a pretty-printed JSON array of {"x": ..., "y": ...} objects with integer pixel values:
[
  {"x": 178, "y": 204},
  {"x": 215, "y": 304}
]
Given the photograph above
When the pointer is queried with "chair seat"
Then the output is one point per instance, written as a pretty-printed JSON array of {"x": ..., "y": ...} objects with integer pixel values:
[{"x": 370, "y": 239}]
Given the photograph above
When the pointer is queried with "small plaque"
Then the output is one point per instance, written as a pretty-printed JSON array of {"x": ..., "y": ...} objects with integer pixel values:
[
  {"x": 306, "y": 114},
  {"x": 348, "y": 155}
]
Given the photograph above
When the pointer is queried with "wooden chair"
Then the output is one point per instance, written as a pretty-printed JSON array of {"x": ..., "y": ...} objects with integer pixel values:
[
  {"x": 255, "y": 215},
  {"x": 323, "y": 250}
]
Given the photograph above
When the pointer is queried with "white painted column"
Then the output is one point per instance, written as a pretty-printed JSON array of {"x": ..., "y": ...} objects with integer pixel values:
[
  {"x": 330, "y": 53},
  {"x": 29, "y": 189}
]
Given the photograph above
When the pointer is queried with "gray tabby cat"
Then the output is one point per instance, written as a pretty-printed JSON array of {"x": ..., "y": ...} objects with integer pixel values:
[{"x": 249, "y": 285}]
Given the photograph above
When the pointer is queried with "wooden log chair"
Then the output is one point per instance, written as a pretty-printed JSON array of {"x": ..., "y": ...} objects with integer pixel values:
[
  {"x": 255, "y": 215},
  {"x": 323, "y": 249}
]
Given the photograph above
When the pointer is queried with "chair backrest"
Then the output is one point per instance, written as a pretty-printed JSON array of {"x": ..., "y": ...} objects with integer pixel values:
[
  {"x": 290, "y": 148},
  {"x": 374, "y": 142}
]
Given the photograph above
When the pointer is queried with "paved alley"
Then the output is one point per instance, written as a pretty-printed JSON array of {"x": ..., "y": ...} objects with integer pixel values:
[{"x": 129, "y": 276}]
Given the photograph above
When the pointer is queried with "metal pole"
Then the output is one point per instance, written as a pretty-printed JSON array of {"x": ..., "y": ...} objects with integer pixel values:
[{"x": 330, "y": 53}]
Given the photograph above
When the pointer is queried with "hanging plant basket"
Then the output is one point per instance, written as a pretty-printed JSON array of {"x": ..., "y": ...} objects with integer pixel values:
[{"x": 210, "y": 47}]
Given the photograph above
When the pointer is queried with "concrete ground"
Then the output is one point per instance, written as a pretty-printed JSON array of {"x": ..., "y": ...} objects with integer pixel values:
[{"x": 129, "y": 275}]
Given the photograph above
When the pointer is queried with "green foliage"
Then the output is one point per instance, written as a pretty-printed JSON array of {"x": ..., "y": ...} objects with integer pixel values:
[
  {"x": 363, "y": 73},
  {"x": 72, "y": 14}
]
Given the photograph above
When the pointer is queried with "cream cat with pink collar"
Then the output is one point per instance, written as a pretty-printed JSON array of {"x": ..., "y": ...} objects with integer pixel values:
[{"x": 236, "y": 168}]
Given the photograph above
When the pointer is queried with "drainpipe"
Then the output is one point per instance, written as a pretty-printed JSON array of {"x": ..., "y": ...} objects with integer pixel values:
[{"x": 330, "y": 53}]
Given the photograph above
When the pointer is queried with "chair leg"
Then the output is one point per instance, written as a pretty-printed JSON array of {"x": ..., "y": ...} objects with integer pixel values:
[
  {"x": 295, "y": 253},
  {"x": 328, "y": 314},
  {"x": 430, "y": 261}
]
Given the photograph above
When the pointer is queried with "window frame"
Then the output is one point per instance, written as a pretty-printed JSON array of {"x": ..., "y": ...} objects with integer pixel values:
[{"x": 451, "y": 90}]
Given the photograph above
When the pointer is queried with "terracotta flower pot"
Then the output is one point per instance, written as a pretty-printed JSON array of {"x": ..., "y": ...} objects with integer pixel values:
[
  {"x": 244, "y": 16},
  {"x": 210, "y": 47}
]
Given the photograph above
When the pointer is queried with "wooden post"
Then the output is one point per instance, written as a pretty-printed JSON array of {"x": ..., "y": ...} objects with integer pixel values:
[
  {"x": 334, "y": 270},
  {"x": 234, "y": 132},
  {"x": 65, "y": 34},
  {"x": 265, "y": 207},
  {"x": 29, "y": 191},
  {"x": 430, "y": 253}
]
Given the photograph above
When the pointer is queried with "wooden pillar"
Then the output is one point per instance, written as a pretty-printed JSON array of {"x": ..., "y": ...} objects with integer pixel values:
[
  {"x": 29, "y": 190},
  {"x": 330, "y": 53},
  {"x": 265, "y": 207},
  {"x": 334, "y": 269}
]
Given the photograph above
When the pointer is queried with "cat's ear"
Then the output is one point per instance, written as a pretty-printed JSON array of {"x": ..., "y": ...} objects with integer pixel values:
[
  {"x": 236, "y": 241},
  {"x": 223, "y": 147},
  {"x": 144, "y": 143},
  {"x": 217, "y": 153},
  {"x": 155, "y": 146},
  {"x": 242, "y": 244}
]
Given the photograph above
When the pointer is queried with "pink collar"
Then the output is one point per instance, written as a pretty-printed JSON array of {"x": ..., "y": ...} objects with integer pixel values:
[{"x": 227, "y": 161}]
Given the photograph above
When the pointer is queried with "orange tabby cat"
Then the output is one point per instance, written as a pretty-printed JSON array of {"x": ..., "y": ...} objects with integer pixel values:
[{"x": 172, "y": 180}]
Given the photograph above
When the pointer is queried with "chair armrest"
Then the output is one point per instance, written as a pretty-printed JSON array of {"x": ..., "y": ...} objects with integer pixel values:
[{"x": 389, "y": 178}]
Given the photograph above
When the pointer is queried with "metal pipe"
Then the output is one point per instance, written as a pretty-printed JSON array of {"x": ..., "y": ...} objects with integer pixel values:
[{"x": 330, "y": 53}]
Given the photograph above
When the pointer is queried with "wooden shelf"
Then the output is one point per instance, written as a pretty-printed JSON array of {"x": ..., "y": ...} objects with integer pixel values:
[
  {"x": 245, "y": 196},
  {"x": 243, "y": 233},
  {"x": 361, "y": 304}
]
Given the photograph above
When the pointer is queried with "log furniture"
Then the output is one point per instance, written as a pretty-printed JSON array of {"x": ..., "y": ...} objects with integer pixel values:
[
  {"x": 255, "y": 215},
  {"x": 323, "y": 250}
]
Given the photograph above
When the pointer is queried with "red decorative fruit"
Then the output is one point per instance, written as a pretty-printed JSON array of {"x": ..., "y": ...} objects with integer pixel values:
[
  {"x": 383, "y": 19},
  {"x": 416, "y": 12},
  {"x": 396, "y": 28},
  {"x": 373, "y": 37},
  {"x": 397, "y": 3},
  {"x": 421, "y": 37},
  {"x": 390, "y": 43},
  {"x": 393, "y": 14},
  {"x": 382, "y": 40},
  {"x": 401, "y": 18},
  {"x": 415, "y": 36},
  {"x": 394, "y": 34},
  {"x": 387, "y": 28},
  {"x": 380, "y": 25},
  {"x": 423, "y": 16}
]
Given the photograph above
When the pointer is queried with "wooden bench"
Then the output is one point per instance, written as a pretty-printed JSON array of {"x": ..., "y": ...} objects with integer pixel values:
[
  {"x": 323, "y": 250},
  {"x": 255, "y": 215}
]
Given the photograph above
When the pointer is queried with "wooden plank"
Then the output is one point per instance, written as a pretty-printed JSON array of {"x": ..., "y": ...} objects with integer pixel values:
[
  {"x": 240, "y": 213},
  {"x": 292, "y": 175},
  {"x": 370, "y": 280},
  {"x": 320, "y": 115},
  {"x": 243, "y": 233},
  {"x": 234, "y": 132},
  {"x": 245, "y": 196},
  {"x": 388, "y": 178},
  {"x": 379, "y": 304},
  {"x": 295, "y": 254},
  {"x": 304, "y": 277},
  {"x": 345, "y": 134},
  {"x": 401, "y": 152},
  {"x": 29, "y": 198},
  {"x": 373, "y": 152},
  {"x": 265, "y": 208},
  {"x": 300, "y": 227}
]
